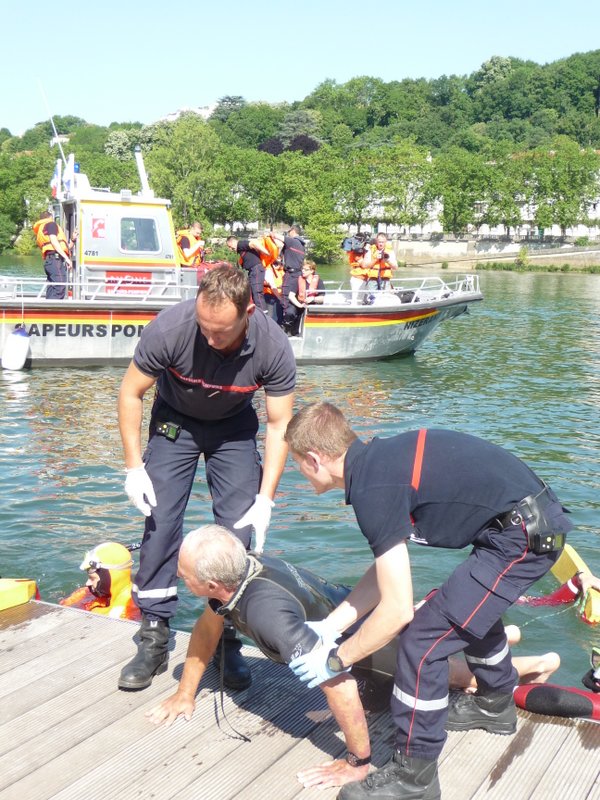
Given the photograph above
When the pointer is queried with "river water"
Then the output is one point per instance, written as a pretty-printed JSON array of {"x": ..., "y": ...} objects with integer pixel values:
[{"x": 521, "y": 370}]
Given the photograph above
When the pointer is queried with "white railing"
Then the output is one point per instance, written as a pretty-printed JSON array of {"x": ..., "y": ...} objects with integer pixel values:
[
  {"x": 115, "y": 290},
  {"x": 406, "y": 290}
]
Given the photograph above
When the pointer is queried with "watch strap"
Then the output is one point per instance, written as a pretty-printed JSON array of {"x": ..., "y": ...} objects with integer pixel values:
[{"x": 355, "y": 761}]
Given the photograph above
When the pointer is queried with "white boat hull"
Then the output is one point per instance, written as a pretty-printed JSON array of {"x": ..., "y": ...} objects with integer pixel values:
[{"x": 98, "y": 332}]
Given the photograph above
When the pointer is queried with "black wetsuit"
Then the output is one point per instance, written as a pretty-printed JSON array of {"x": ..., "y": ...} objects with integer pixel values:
[{"x": 275, "y": 600}]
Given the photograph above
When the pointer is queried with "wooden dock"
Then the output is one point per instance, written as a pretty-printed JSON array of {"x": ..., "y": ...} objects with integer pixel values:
[{"x": 68, "y": 733}]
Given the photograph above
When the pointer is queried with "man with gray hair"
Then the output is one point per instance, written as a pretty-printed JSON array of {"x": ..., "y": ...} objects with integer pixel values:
[{"x": 270, "y": 601}]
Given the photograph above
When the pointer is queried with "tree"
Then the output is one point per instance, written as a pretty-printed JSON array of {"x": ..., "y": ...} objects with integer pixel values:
[
  {"x": 182, "y": 168},
  {"x": 459, "y": 181},
  {"x": 402, "y": 182},
  {"x": 301, "y": 122},
  {"x": 226, "y": 106}
]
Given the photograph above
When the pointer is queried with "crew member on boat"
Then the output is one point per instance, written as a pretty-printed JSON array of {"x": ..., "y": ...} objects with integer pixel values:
[
  {"x": 208, "y": 357},
  {"x": 251, "y": 253},
  {"x": 359, "y": 273},
  {"x": 108, "y": 588},
  {"x": 273, "y": 290},
  {"x": 380, "y": 259},
  {"x": 190, "y": 245},
  {"x": 293, "y": 253},
  {"x": 310, "y": 291},
  {"x": 56, "y": 253},
  {"x": 438, "y": 488},
  {"x": 269, "y": 600}
]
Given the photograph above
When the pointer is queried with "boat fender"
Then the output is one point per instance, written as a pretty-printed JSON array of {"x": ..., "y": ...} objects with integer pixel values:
[
  {"x": 16, "y": 349},
  {"x": 558, "y": 701}
]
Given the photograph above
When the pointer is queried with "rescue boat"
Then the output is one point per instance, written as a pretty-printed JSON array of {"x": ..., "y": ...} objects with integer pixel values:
[{"x": 125, "y": 270}]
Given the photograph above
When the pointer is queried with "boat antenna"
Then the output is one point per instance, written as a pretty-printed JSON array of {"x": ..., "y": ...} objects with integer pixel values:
[{"x": 45, "y": 99}]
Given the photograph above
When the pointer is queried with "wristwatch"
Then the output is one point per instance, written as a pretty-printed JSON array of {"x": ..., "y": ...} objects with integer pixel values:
[
  {"x": 355, "y": 761},
  {"x": 334, "y": 662}
]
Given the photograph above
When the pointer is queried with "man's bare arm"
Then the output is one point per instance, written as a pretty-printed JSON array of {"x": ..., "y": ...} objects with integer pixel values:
[
  {"x": 344, "y": 702},
  {"x": 131, "y": 395},
  {"x": 279, "y": 413},
  {"x": 201, "y": 648}
]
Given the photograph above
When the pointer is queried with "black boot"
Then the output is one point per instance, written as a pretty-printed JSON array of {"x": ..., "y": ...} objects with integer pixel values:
[
  {"x": 402, "y": 778},
  {"x": 493, "y": 712},
  {"x": 152, "y": 655},
  {"x": 236, "y": 673}
]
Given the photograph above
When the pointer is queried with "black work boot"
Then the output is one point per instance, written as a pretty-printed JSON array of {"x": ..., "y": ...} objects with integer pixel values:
[
  {"x": 152, "y": 655},
  {"x": 236, "y": 673},
  {"x": 402, "y": 778},
  {"x": 492, "y": 712}
]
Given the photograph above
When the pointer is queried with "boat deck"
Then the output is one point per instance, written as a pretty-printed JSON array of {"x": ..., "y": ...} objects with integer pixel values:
[{"x": 66, "y": 731}]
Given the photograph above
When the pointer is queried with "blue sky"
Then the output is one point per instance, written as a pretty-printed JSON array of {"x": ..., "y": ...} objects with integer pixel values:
[{"x": 125, "y": 60}]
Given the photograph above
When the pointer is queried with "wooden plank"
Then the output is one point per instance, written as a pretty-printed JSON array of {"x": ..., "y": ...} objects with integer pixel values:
[{"x": 66, "y": 730}]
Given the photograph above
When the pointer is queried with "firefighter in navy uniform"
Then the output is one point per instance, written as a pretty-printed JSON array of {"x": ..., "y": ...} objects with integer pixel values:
[
  {"x": 56, "y": 253},
  {"x": 437, "y": 488},
  {"x": 207, "y": 357}
]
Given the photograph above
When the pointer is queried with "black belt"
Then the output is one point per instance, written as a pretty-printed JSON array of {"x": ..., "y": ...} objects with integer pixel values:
[{"x": 542, "y": 537}]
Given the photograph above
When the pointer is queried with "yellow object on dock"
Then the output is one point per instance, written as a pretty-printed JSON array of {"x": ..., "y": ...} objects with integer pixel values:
[{"x": 16, "y": 591}]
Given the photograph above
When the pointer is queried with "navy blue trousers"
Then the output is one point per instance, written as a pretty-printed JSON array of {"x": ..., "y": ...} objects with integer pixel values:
[
  {"x": 233, "y": 475},
  {"x": 464, "y": 614},
  {"x": 56, "y": 272},
  {"x": 256, "y": 276}
]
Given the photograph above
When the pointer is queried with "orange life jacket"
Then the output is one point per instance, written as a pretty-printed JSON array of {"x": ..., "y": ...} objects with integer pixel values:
[
  {"x": 307, "y": 288},
  {"x": 275, "y": 273},
  {"x": 380, "y": 268},
  {"x": 120, "y": 606},
  {"x": 195, "y": 259},
  {"x": 357, "y": 270},
  {"x": 43, "y": 240},
  {"x": 271, "y": 245}
]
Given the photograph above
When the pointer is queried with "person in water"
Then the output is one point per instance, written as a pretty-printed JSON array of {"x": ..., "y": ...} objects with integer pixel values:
[
  {"x": 269, "y": 600},
  {"x": 108, "y": 588}
]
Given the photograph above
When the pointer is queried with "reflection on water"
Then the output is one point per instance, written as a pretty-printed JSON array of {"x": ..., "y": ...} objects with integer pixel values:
[{"x": 521, "y": 369}]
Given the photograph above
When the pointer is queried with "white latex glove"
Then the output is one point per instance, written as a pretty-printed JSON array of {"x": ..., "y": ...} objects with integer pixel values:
[
  {"x": 139, "y": 489},
  {"x": 312, "y": 667},
  {"x": 259, "y": 516},
  {"x": 324, "y": 630}
]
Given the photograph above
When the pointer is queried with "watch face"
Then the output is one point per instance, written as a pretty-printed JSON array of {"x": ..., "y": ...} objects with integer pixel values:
[{"x": 334, "y": 662}]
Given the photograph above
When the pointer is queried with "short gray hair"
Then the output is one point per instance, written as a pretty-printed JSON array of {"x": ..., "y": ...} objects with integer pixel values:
[{"x": 217, "y": 555}]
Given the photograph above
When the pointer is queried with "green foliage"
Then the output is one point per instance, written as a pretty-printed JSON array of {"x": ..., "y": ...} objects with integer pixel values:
[
  {"x": 25, "y": 244},
  {"x": 7, "y": 232},
  {"x": 582, "y": 241},
  {"x": 522, "y": 260}
]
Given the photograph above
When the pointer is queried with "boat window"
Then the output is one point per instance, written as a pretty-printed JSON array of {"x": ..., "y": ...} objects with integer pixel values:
[{"x": 139, "y": 235}]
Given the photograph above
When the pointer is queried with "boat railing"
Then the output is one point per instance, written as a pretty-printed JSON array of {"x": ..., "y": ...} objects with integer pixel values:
[
  {"x": 406, "y": 290},
  {"x": 115, "y": 290}
]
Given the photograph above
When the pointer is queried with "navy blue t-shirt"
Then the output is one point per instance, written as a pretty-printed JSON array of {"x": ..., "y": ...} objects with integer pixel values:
[
  {"x": 202, "y": 383},
  {"x": 249, "y": 257},
  {"x": 465, "y": 483},
  {"x": 293, "y": 252}
]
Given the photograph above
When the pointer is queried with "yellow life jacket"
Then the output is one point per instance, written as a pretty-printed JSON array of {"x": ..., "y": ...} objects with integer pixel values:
[
  {"x": 276, "y": 272},
  {"x": 196, "y": 258},
  {"x": 43, "y": 240},
  {"x": 357, "y": 270},
  {"x": 380, "y": 268}
]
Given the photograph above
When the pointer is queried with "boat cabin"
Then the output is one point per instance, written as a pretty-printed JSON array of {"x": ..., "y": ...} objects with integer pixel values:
[{"x": 126, "y": 244}]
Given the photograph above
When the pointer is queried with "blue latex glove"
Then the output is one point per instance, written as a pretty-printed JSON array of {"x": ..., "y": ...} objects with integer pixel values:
[
  {"x": 324, "y": 630},
  {"x": 312, "y": 667}
]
